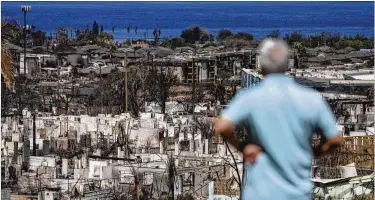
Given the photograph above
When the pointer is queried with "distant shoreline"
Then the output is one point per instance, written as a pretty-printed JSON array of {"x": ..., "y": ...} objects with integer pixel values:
[
  {"x": 259, "y": 34},
  {"x": 122, "y": 35},
  {"x": 256, "y": 18}
]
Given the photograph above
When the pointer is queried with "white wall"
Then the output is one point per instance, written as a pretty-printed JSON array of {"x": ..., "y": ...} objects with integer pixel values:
[
  {"x": 37, "y": 161},
  {"x": 95, "y": 168}
]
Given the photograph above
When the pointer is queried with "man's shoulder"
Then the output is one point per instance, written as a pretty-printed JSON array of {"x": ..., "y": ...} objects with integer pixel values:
[
  {"x": 309, "y": 91},
  {"x": 251, "y": 92},
  {"x": 309, "y": 94},
  {"x": 262, "y": 91}
]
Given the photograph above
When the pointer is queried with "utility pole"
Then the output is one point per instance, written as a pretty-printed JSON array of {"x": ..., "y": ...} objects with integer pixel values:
[
  {"x": 68, "y": 187},
  {"x": 137, "y": 188},
  {"x": 25, "y": 9},
  {"x": 193, "y": 74},
  {"x": 193, "y": 100},
  {"x": 24, "y": 43},
  {"x": 34, "y": 135},
  {"x": 193, "y": 81},
  {"x": 67, "y": 123},
  {"x": 101, "y": 91},
  {"x": 40, "y": 180},
  {"x": 126, "y": 82}
]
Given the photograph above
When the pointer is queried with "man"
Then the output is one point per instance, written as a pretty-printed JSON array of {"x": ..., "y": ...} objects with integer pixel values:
[{"x": 281, "y": 117}]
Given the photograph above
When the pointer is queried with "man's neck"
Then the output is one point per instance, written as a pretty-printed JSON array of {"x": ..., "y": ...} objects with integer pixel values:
[{"x": 275, "y": 75}]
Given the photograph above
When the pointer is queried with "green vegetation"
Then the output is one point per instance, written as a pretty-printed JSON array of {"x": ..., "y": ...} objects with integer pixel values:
[
  {"x": 156, "y": 33},
  {"x": 244, "y": 36},
  {"x": 234, "y": 40},
  {"x": 95, "y": 28},
  {"x": 229, "y": 39},
  {"x": 357, "y": 42},
  {"x": 274, "y": 34},
  {"x": 224, "y": 34},
  {"x": 334, "y": 40},
  {"x": 174, "y": 43},
  {"x": 195, "y": 34},
  {"x": 38, "y": 38},
  {"x": 189, "y": 37},
  {"x": 88, "y": 36},
  {"x": 227, "y": 34},
  {"x": 211, "y": 44}
]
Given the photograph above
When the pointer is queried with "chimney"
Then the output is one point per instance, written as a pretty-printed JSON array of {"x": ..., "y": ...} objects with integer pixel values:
[
  {"x": 26, "y": 151},
  {"x": 118, "y": 152},
  {"x": 34, "y": 135},
  {"x": 15, "y": 150},
  {"x": 161, "y": 147},
  {"x": 205, "y": 146},
  {"x": 98, "y": 152},
  {"x": 84, "y": 160},
  {"x": 200, "y": 147},
  {"x": 191, "y": 145},
  {"x": 176, "y": 148},
  {"x": 75, "y": 161},
  {"x": 64, "y": 167}
]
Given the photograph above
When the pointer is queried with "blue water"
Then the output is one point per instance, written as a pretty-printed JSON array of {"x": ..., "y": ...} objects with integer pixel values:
[{"x": 258, "y": 18}]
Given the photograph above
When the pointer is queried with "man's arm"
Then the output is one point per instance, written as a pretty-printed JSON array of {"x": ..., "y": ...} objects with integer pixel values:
[
  {"x": 328, "y": 145},
  {"x": 231, "y": 117},
  {"x": 326, "y": 124},
  {"x": 225, "y": 128}
]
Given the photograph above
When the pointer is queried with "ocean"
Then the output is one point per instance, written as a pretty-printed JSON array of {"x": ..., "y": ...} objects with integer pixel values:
[{"x": 257, "y": 18}]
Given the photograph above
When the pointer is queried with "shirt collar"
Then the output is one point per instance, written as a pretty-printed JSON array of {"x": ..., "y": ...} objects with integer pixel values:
[{"x": 278, "y": 78}]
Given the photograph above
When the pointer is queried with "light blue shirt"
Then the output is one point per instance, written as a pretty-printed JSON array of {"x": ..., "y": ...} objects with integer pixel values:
[{"x": 282, "y": 117}]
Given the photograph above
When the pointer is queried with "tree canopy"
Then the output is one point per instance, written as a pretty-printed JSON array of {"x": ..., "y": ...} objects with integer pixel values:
[
  {"x": 10, "y": 33},
  {"x": 195, "y": 34},
  {"x": 101, "y": 38},
  {"x": 38, "y": 37},
  {"x": 95, "y": 28},
  {"x": 274, "y": 34},
  {"x": 224, "y": 34},
  {"x": 174, "y": 43},
  {"x": 158, "y": 83},
  {"x": 335, "y": 40}
]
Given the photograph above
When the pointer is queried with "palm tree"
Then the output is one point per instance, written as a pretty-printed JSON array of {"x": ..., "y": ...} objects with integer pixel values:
[
  {"x": 71, "y": 33},
  {"x": 7, "y": 67},
  {"x": 155, "y": 33},
  {"x": 323, "y": 35},
  {"x": 300, "y": 53}
]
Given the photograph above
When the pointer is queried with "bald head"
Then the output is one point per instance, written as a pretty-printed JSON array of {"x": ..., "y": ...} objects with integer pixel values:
[{"x": 273, "y": 57}]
